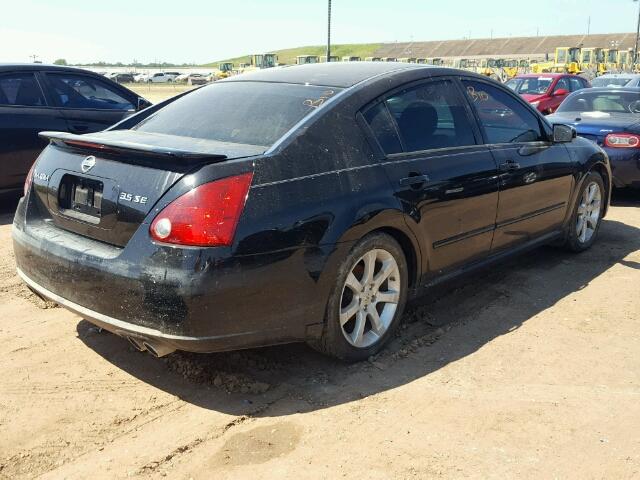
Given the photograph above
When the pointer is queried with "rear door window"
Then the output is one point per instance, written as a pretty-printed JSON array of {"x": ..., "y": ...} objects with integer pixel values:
[
  {"x": 426, "y": 117},
  {"x": 21, "y": 89},
  {"x": 84, "y": 92},
  {"x": 503, "y": 118},
  {"x": 576, "y": 84},
  {"x": 253, "y": 113}
]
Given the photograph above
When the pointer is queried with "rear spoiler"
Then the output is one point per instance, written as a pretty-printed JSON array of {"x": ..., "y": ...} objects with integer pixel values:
[{"x": 111, "y": 146}]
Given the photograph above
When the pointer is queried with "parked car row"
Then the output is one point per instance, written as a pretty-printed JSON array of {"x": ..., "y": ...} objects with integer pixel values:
[
  {"x": 160, "y": 77},
  {"x": 307, "y": 203}
]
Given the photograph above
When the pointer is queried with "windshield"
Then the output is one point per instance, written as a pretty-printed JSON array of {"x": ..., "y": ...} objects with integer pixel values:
[
  {"x": 610, "y": 81},
  {"x": 603, "y": 102},
  {"x": 252, "y": 113},
  {"x": 530, "y": 85}
]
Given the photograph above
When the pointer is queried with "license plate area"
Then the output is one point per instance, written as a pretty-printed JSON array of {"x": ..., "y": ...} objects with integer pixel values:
[{"x": 81, "y": 198}]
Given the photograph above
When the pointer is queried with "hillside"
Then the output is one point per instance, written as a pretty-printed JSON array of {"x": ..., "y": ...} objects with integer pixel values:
[{"x": 288, "y": 56}]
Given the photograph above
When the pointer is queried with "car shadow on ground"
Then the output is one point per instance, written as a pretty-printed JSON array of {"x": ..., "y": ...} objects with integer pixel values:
[{"x": 448, "y": 325}]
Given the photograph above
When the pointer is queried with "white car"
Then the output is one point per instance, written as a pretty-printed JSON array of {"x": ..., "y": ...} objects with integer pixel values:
[
  {"x": 160, "y": 77},
  {"x": 141, "y": 78}
]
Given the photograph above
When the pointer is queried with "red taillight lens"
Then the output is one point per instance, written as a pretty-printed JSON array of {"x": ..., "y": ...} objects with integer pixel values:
[
  {"x": 622, "y": 140},
  {"x": 29, "y": 180},
  {"x": 205, "y": 216}
]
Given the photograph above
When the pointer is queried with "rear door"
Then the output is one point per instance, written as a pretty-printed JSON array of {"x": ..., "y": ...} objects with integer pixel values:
[
  {"x": 536, "y": 175},
  {"x": 24, "y": 112},
  {"x": 445, "y": 179},
  {"x": 89, "y": 104}
]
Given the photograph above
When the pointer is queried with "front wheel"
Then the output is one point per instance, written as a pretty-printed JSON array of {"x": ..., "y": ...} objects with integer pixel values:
[
  {"x": 367, "y": 301},
  {"x": 587, "y": 214}
]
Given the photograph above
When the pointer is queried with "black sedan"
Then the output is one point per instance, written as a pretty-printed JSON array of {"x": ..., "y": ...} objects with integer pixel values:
[
  {"x": 305, "y": 203},
  {"x": 37, "y": 97},
  {"x": 609, "y": 117}
]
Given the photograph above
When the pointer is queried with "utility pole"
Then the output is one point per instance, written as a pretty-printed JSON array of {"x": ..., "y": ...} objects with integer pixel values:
[
  {"x": 588, "y": 26},
  {"x": 34, "y": 56},
  {"x": 329, "y": 32},
  {"x": 635, "y": 49}
]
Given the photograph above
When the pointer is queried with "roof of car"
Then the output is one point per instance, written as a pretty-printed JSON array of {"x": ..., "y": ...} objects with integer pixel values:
[
  {"x": 620, "y": 75},
  {"x": 548, "y": 75},
  {"x": 21, "y": 67},
  {"x": 609, "y": 89},
  {"x": 332, "y": 74}
]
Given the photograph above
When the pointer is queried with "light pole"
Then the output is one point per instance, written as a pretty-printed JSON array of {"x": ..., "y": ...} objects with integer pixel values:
[
  {"x": 635, "y": 49},
  {"x": 329, "y": 32}
]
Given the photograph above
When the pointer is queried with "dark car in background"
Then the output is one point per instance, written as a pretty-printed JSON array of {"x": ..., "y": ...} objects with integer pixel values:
[
  {"x": 299, "y": 204},
  {"x": 546, "y": 91},
  {"x": 121, "y": 77},
  {"x": 37, "y": 97},
  {"x": 609, "y": 117}
]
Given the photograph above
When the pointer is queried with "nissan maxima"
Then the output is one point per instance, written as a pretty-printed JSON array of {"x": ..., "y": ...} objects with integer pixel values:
[{"x": 304, "y": 203}]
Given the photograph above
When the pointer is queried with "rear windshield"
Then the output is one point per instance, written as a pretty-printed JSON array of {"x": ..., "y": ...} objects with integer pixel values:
[
  {"x": 530, "y": 85},
  {"x": 253, "y": 113},
  {"x": 607, "y": 102},
  {"x": 610, "y": 81}
]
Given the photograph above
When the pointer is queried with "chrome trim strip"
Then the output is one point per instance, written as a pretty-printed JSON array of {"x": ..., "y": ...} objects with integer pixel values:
[{"x": 90, "y": 314}]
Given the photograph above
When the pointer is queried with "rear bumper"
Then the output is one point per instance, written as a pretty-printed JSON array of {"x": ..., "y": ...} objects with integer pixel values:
[
  {"x": 142, "y": 334},
  {"x": 200, "y": 300},
  {"x": 625, "y": 167}
]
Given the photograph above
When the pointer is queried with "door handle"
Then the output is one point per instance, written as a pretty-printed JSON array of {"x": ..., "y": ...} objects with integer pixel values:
[
  {"x": 509, "y": 166},
  {"x": 414, "y": 180}
]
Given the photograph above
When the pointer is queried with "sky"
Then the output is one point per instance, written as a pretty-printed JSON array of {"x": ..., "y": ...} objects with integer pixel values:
[{"x": 201, "y": 31}]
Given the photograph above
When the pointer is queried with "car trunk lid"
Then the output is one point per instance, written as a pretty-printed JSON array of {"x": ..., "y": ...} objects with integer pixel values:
[{"x": 104, "y": 185}]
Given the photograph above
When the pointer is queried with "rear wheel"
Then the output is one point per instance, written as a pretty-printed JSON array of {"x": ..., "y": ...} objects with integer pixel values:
[
  {"x": 587, "y": 214},
  {"x": 367, "y": 301}
]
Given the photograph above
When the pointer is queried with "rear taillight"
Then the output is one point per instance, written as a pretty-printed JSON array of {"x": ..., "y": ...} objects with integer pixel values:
[
  {"x": 205, "y": 216},
  {"x": 29, "y": 180},
  {"x": 622, "y": 140}
]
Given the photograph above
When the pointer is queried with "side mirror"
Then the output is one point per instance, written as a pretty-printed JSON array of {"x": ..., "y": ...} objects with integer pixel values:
[
  {"x": 561, "y": 92},
  {"x": 563, "y": 133},
  {"x": 143, "y": 103}
]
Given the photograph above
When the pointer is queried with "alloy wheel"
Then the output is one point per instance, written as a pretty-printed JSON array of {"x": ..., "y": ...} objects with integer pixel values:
[
  {"x": 588, "y": 212},
  {"x": 370, "y": 298}
]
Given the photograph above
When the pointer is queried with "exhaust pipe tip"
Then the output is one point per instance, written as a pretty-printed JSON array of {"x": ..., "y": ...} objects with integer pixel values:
[
  {"x": 137, "y": 344},
  {"x": 158, "y": 349}
]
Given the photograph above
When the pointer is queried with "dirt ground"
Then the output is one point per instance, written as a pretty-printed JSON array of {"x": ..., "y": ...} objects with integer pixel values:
[
  {"x": 529, "y": 370},
  {"x": 157, "y": 92}
]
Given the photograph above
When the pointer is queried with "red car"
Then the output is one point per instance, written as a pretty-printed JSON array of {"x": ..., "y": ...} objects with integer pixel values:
[{"x": 546, "y": 91}]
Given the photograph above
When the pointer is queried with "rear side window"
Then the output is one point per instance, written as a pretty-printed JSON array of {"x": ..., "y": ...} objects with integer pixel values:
[
  {"x": 383, "y": 128},
  {"x": 20, "y": 89},
  {"x": 78, "y": 91},
  {"x": 253, "y": 113},
  {"x": 563, "y": 84},
  {"x": 504, "y": 118},
  {"x": 576, "y": 84},
  {"x": 427, "y": 117}
]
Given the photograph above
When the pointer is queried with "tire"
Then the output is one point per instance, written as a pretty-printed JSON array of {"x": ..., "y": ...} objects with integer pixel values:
[
  {"x": 347, "y": 310},
  {"x": 590, "y": 202}
]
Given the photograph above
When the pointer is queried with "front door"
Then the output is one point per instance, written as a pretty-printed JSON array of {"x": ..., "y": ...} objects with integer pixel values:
[
  {"x": 446, "y": 181},
  {"x": 536, "y": 175}
]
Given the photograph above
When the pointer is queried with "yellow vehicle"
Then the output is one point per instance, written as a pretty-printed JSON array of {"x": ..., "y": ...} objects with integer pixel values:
[
  {"x": 421, "y": 61},
  {"x": 624, "y": 61},
  {"x": 388, "y": 59},
  {"x": 611, "y": 59},
  {"x": 407, "y": 60},
  {"x": 568, "y": 60},
  {"x": 304, "y": 59},
  {"x": 333, "y": 58},
  {"x": 511, "y": 68},
  {"x": 351, "y": 59},
  {"x": 264, "y": 60},
  {"x": 592, "y": 59},
  {"x": 225, "y": 70},
  {"x": 435, "y": 61},
  {"x": 372, "y": 59}
]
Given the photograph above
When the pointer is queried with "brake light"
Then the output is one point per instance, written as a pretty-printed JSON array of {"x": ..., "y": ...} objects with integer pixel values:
[
  {"x": 622, "y": 140},
  {"x": 205, "y": 216},
  {"x": 29, "y": 180}
]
